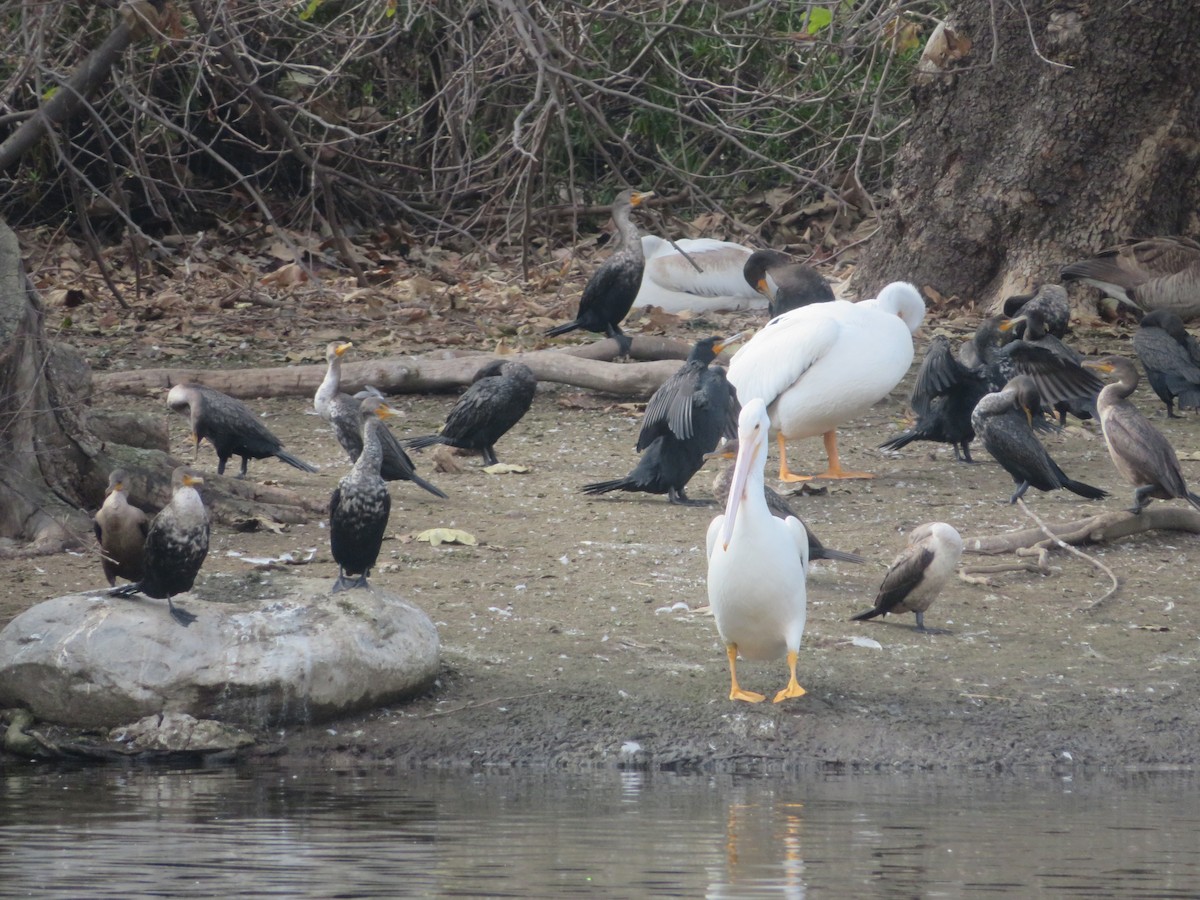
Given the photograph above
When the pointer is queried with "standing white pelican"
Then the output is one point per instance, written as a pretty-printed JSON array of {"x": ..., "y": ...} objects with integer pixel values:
[
  {"x": 821, "y": 365},
  {"x": 757, "y": 566}
]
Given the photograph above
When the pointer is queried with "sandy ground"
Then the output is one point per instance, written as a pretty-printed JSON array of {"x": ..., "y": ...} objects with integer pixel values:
[{"x": 571, "y": 636}]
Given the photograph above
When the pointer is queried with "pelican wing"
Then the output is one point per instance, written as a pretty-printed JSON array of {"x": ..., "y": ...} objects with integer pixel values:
[
  {"x": 779, "y": 355},
  {"x": 717, "y": 271},
  {"x": 800, "y": 536}
]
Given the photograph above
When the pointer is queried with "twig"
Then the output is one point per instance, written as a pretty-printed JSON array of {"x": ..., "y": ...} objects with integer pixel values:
[{"x": 1092, "y": 560}]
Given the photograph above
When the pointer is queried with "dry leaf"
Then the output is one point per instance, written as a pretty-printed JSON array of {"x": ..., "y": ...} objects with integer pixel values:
[
  {"x": 436, "y": 536},
  {"x": 506, "y": 469}
]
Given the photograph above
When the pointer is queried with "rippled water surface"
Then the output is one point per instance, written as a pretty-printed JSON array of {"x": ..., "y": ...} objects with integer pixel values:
[{"x": 227, "y": 833}]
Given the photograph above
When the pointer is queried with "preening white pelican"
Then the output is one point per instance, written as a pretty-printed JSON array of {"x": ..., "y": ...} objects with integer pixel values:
[
  {"x": 821, "y": 365},
  {"x": 670, "y": 281},
  {"x": 757, "y": 566}
]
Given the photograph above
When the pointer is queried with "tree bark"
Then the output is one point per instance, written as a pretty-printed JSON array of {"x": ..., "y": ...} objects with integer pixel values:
[{"x": 1068, "y": 125}]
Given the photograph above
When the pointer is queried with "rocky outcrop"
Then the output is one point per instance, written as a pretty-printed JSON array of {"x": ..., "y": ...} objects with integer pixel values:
[{"x": 264, "y": 651}]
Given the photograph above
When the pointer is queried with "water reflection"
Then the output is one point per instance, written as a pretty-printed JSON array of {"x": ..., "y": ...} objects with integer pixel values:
[{"x": 208, "y": 833}]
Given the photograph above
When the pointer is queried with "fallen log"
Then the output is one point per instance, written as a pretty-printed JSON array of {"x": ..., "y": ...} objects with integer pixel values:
[
  {"x": 430, "y": 373},
  {"x": 1098, "y": 529}
]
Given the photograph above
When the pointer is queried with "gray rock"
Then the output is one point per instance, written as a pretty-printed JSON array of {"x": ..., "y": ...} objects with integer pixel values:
[
  {"x": 179, "y": 731},
  {"x": 266, "y": 650}
]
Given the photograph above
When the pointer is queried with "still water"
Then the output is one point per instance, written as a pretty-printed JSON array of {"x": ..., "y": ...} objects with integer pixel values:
[{"x": 103, "y": 833}]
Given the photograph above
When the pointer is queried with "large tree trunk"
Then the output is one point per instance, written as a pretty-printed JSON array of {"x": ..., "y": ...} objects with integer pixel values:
[{"x": 1054, "y": 136}]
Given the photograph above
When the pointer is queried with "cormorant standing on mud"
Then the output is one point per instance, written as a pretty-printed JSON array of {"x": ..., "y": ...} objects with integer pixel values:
[
  {"x": 685, "y": 418},
  {"x": 230, "y": 425},
  {"x": 497, "y": 399},
  {"x": 1002, "y": 422},
  {"x": 918, "y": 574},
  {"x": 1171, "y": 358}
]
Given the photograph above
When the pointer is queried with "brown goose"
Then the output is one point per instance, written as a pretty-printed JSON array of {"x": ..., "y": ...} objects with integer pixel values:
[{"x": 1154, "y": 273}]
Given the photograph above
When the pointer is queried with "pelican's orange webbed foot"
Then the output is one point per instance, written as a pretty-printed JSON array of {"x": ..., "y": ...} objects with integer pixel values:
[
  {"x": 793, "y": 688},
  {"x": 735, "y": 692},
  {"x": 786, "y": 474},
  {"x": 835, "y": 469}
]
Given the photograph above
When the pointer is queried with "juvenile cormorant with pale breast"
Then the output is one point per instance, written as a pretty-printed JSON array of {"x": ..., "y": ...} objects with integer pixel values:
[
  {"x": 918, "y": 574},
  {"x": 121, "y": 530}
]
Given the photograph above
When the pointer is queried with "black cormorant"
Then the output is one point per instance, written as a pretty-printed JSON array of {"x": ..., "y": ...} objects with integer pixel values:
[
  {"x": 685, "y": 418},
  {"x": 230, "y": 425},
  {"x": 1002, "y": 422},
  {"x": 344, "y": 415},
  {"x": 1049, "y": 301},
  {"x": 497, "y": 399},
  {"x": 360, "y": 504},
  {"x": 176, "y": 545},
  {"x": 918, "y": 574},
  {"x": 1171, "y": 358},
  {"x": 1140, "y": 452},
  {"x": 609, "y": 294},
  {"x": 1061, "y": 379},
  {"x": 121, "y": 530}
]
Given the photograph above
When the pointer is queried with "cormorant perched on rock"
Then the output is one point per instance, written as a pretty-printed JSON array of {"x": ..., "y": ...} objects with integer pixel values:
[
  {"x": 360, "y": 504},
  {"x": 785, "y": 283},
  {"x": 685, "y": 418},
  {"x": 776, "y": 503},
  {"x": 1153, "y": 273},
  {"x": 230, "y": 425},
  {"x": 1002, "y": 421},
  {"x": 344, "y": 415},
  {"x": 1140, "y": 452},
  {"x": 499, "y": 396},
  {"x": 609, "y": 294},
  {"x": 943, "y": 398},
  {"x": 176, "y": 545},
  {"x": 121, "y": 530},
  {"x": 917, "y": 575},
  {"x": 1049, "y": 301},
  {"x": 1171, "y": 358}
]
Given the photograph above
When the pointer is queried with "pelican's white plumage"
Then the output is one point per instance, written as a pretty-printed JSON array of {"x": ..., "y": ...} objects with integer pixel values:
[
  {"x": 819, "y": 366},
  {"x": 671, "y": 282},
  {"x": 757, "y": 566}
]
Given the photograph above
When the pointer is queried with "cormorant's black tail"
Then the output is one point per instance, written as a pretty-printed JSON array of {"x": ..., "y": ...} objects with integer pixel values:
[
  {"x": 1085, "y": 490},
  {"x": 425, "y": 440},
  {"x": 903, "y": 439},
  {"x": 603, "y": 487},
  {"x": 125, "y": 590},
  {"x": 826, "y": 553},
  {"x": 563, "y": 329},
  {"x": 1193, "y": 499},
  {"x": 869, "y": 614},
  {"x": 422, "y": 483},
  {"x": 284, "y": 456}
]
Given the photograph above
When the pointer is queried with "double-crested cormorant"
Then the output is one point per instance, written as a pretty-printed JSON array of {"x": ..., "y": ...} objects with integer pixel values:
[
  {"x": 776, "y": 503},
  {"x": 121, "y": 530},
  {"x": 917, "y": 575},
  {"x": 821, "y": 365},
  {"x": 1061, "y": 379},
  {"x": 360, "y": 504},
  {"x": 230, "y": 425},
  {"x": 757, "y": 566},
  {"x": 785, "y": 283},
  {"x": 1154, "y": 273},
  {"x": 943, "y": 398},
  {"x": 1140, "y": 452},
  {"x": 1049, "y": 301},
  {"x": 176, "y": 545},
  {"x": 1171, "y": 358},
  {"x": 344, "y": 415},
  {"x": 610, "y": 292},
  {"x": 707, "y": 279},
  {"x": 499, "y": 396},
  {"x": 1002, "y": 421},
  {"x": 685, "y": 419}
]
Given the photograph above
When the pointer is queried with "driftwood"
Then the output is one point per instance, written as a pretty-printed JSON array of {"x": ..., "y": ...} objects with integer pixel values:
[
  {"x": 424, "y": 374},
  {"x": 1098, "y": 529}
]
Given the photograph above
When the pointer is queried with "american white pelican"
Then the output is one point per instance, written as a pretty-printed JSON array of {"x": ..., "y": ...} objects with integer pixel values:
[
  {"x": 715, "y": 283},
  {"x": 918, "y": 574},
  {"x": 757, "y": 566},
  {"x": 821, "y": 365}
]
